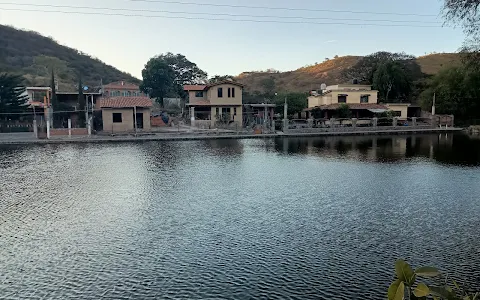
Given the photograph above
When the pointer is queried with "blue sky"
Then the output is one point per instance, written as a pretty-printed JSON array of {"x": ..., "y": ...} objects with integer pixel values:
[{"x": 228, "y": 47}]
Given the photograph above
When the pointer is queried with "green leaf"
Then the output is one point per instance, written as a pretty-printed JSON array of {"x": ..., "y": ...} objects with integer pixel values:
[
  {"x": 442, "y": 292},
  {"x": 392, "y": 290},
  {"x": 404, "y": 272},
  {"x": 421, "y": 290},
  {"x": 456, "y": 285},
  {"x": 427, "y": 272},
  {"x": 398, "y": 293}
]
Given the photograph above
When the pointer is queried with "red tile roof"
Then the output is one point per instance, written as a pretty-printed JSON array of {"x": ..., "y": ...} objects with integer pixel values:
[
  {"x": 351, "y": 106},
  {"x": 124, "y": 102},
  {"x": 225, "y": 82},
  {"x": 196, "y": 87}
]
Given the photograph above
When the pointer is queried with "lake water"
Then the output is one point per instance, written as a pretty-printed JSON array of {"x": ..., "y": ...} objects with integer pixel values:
[{"x": 318, "y": 218}]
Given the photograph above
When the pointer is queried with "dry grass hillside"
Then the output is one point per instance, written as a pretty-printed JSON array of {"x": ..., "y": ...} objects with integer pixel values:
[{"x": 329, "y": 72}]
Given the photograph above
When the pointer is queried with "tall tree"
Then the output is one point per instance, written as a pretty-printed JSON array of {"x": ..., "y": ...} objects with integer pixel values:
[
  {"x": 365, "y": 68},
  {"x": 220, "y": 78},
  {"x": 158, "y": 79},
  {"x": 466, "y": 13},
  {"x": 81, "y": 103},
  {"x": 456, "y": 92},
  {"x": 392, "y": 81},
  {"x": 186, "y": 72},
  {"x": 53, "y": 99},
  {"x": 12, "y": 94}
]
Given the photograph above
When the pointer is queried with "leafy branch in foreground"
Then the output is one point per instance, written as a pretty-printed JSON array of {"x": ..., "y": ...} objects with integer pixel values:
[{"x": 406, "y": 286}]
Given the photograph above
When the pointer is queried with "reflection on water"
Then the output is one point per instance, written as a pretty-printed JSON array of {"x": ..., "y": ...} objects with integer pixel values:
[
  {"x": 445, "y": 148},
  {"x": 319, "y": 218}
]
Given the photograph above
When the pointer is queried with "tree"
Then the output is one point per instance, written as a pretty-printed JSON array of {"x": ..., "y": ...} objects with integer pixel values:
[
  {"x": 81, "y": 104},
  {"x": 456, "y": 92},
  {"x": 158, "y": 80},
  {"x": 466, "y": 13},
  {"x": 297, "y": 102},
  {"x": 186, "y": 72},
  {"x": 268, "y": 85},
  {"x": 219, "y": 78},
  {"x": 12, "y": 94},
  {"x": 343, "y": 112},
  {"x": 53, "y": 98},
  {"x": 365, "y": 68},
  {"x": 463, "y": 12},
  {"x": 392, "y": 80}
]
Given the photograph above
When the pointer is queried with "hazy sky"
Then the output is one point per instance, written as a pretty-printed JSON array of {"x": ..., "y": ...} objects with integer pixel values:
[{"x": 230, "y": 47}]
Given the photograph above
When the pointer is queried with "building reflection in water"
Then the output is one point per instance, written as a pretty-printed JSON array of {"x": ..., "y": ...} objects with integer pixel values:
[{"x": 445, "y": 148}]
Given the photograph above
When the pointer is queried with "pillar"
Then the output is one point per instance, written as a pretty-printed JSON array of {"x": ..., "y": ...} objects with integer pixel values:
[
  {"x": 414, "y": 122},
  {"x": 192, "y": 116},
  {"x": 332, "y": 122},
  {"x": 48, "y": 128},
  {"x": 89, "y": 128},
  {"x": 354, "y": 123},
  {"x": 310, "y": 123},
  {"x": 35, "y": 129},
  {"x": 375, "y": 122},
  {"x": 394, "y": 122},
  {"x": 69, "y": 127}
]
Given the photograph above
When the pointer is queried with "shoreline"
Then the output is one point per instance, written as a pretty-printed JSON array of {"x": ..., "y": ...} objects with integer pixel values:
[{"x": 194, "y": 137}]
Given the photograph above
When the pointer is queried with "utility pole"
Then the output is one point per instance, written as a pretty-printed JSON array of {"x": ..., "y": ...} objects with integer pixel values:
[{"x": 433, "y": 106}]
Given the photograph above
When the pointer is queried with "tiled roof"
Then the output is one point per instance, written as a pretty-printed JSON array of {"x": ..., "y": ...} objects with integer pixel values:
[
  {"x": 225, "y": 82},
  {"x": 196, "y": 87},
  {"x": 202, "y": 87},
  {"x": 124, "y": 102},
  {"x": 351, "y": 106}
]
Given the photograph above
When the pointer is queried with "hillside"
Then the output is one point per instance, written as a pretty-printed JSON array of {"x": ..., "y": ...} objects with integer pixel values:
[
  {"x": 329, "y": 72},
  {"x": 33, "y": 55}
]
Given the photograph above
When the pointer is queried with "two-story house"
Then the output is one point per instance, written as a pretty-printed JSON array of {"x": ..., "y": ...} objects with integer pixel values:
[
  {"x": 361, "y": 99},
  {"x": 215, "y": 103}
]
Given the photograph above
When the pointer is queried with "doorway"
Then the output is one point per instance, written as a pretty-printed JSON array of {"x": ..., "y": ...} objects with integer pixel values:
[{"x": 139, "y": 117}]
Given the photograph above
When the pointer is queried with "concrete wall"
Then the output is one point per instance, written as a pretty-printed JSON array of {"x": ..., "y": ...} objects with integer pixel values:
[
  {"x": 64, "y": 131},
  {"x": 332, "y": 98},
  {"x": 127, "y": 120},
  {"x": 212, "y": 95},
  {"x": 192, "y": 99},
  {"x": 401, "y": 107},
  {"x": 354, "y": 96},
  {"x": 127, "y": 124}
]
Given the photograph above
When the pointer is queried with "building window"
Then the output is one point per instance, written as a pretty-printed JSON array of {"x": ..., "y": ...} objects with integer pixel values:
[
  {"x": 342, "y": 98},
  {"x": 234, "y": 111},
  {"x": 199, "y": 94},
  {"x": 233, "y": 92},
  {"x": 117, "y": 117},
  {"x": 220, "y": 92},
  {"x": 364, "y": 98},
  {"x": 217, "y": 111},
  {"x": 112, "y": 93},
  {"x": 229, "y": 93}
]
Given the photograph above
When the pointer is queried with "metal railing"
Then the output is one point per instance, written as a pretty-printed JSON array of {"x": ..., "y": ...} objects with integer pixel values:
[{"x": 361, "y": 124}]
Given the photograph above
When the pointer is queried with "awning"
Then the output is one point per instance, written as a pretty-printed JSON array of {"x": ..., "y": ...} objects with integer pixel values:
[{"x": 378, "y": 110}]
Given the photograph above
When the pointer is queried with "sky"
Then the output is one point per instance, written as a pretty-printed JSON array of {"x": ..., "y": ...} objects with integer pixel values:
[{"x": 308, "y": 32}]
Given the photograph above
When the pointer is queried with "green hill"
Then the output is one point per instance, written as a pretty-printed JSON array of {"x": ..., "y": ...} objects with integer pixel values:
[
  {"x": 329, "y": 72},
  {"x": 32, "y": 55}
]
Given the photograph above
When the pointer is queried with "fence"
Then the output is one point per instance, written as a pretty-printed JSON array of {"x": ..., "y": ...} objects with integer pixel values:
[
  {"x": 36, "y": 122},
  {"x": 364, "y": 124}
]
